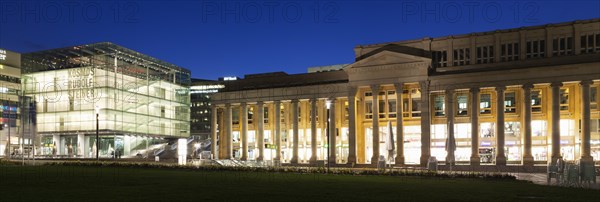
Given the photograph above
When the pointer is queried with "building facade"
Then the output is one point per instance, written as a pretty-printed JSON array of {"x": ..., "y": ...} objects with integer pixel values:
[
  {"x": 521, "y": 96},
  {"x": 201, "y": 91},
  {"x": 17, "y": 115},
  {"x": 131, "y": 100}
]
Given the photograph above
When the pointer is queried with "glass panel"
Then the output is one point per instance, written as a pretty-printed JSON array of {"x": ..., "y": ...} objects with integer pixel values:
[
  {"x": 369, "y": 109},
  {"x": 597, "y": 42},
  {"x": 583, "y": 44},
  {"x": 415, "y": 96},
  {"x": 439, "y": 105},
  {"x": 536, "y": 101},
  {"x": 594, "y": 97},
  {"x": 487, "y": 129},
  {"x": 512, "y": 129},
  {"x": 538, "y": 128},
  {"x": 405, "y": 106},
  {"x": 485, "y": 103},
  {"x": 567, "y": 127},
  {"x": 462, "y": 101},
  {"x": 392, "y": 106},
  {"x": 564, "y": 99},
  {"x": 510, "y": 102}
]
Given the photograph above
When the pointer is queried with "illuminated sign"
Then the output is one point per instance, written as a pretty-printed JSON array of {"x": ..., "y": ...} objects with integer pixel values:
[
  {"x": 2, "y": 55},
  {"x": 81, "y": 82},
  {"x": 229, "y": 78}
]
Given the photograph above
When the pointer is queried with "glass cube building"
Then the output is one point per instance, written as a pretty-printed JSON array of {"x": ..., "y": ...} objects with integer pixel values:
[{"x": 130, "y": 99}]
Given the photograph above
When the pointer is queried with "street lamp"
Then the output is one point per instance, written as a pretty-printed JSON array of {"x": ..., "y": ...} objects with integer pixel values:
[
  {"x": 97, "y": 127},
  {"x": 328, "y": 104}
]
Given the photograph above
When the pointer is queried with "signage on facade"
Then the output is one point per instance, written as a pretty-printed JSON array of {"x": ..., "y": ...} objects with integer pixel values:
[{"x": 81, "y": 82}]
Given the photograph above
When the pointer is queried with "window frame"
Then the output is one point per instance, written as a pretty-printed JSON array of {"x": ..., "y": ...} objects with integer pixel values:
[
  {"x": 442, "y": 111},
  {"x": 513, "y": 109},
  {"x": 482, "y": 110},
  {"x": 457, "y": 105}
]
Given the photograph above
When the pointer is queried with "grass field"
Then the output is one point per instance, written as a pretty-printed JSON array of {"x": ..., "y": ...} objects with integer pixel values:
[{"x": 64, "y": 183}]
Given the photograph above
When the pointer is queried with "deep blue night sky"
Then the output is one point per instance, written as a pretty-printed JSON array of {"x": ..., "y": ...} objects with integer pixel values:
[{"x": 233, "y": 38}]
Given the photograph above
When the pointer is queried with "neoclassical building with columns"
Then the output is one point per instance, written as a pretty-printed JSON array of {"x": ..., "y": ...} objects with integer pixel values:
[{"x": 522, "y": 96}]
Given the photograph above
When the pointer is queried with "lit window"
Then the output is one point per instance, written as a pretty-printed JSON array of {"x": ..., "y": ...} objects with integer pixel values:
[
  {"x": 594, "y": 97},
  {"x": 485, "y": 103},
  {"x": 462, "y": 100},
  {"x": 510, "y": 105},
  {"x": 536, "y": 101},
  {"x": 512, "y": 129},
  {"x": 415, "y": 97},
  {"x": 487, "y": 129},
  {"x": 567, "y": 127},
  {"x": 538, "y": 128},
  {"x": 369, "y": 109},
  {"x": 439, "y": 105},
  {"x": 564, "y": 99},
  {"x": 392, "y": 108}
]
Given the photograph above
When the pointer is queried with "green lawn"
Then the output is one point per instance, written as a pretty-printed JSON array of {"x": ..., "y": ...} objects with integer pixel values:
[{"x": 63, "y": 183}]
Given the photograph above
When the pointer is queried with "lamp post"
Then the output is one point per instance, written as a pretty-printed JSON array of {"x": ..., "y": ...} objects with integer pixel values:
[
  {"x": 97, "y": 127},
  {"x": 8, "y": 152},
  {"x": 328, "y": 104}
]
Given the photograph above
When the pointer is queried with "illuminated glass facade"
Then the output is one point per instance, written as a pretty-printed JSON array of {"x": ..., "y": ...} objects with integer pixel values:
[{"x": 137, "y": 99}]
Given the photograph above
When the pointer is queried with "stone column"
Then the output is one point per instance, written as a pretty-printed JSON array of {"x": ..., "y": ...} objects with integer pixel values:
[
  {"x": 399, "y": 125},
  {"x": 450, "y": 127},
  {"x": 261, "y": 130},
  {"x": 277, "y": 130},
  {"x": 475, "y": 160},
  {"x": 425, "y": 123},
  {"x": 351, "y": 125},
  {"x": 500, "y": 156},
  {"x": 527, "y": 157},
  {"x": 244, "y": 131},
  {"x": 375, "y": 125},
  {"x": 228, "y": 131},
  {"x": 213, "y": 130},
  {"x": 555, "y": 120},
  {"x": 313, "y": 131},
  {"x": 332, "y": 132},
  {"x": 295, "y": 134},
  {"x": 585, "y": 122}
]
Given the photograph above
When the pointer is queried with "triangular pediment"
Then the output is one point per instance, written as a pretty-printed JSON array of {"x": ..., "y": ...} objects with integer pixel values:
[
  {"x": 388, "y": 58},
  {"x": 388, "y": 64}
]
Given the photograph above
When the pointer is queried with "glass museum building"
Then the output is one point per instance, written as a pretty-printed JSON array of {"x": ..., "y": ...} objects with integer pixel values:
[
  {"x": 129, "y": 99},
  {"x": 522, "y": 96}
]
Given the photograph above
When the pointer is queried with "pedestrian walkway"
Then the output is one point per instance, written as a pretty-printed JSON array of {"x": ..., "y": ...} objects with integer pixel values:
[{"x": 541, "y": 179}]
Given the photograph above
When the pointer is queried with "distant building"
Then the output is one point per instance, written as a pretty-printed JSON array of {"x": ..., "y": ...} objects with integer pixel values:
[
  {"x": 17, "y": 113},
  {"x": 201, "y": 91}
]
